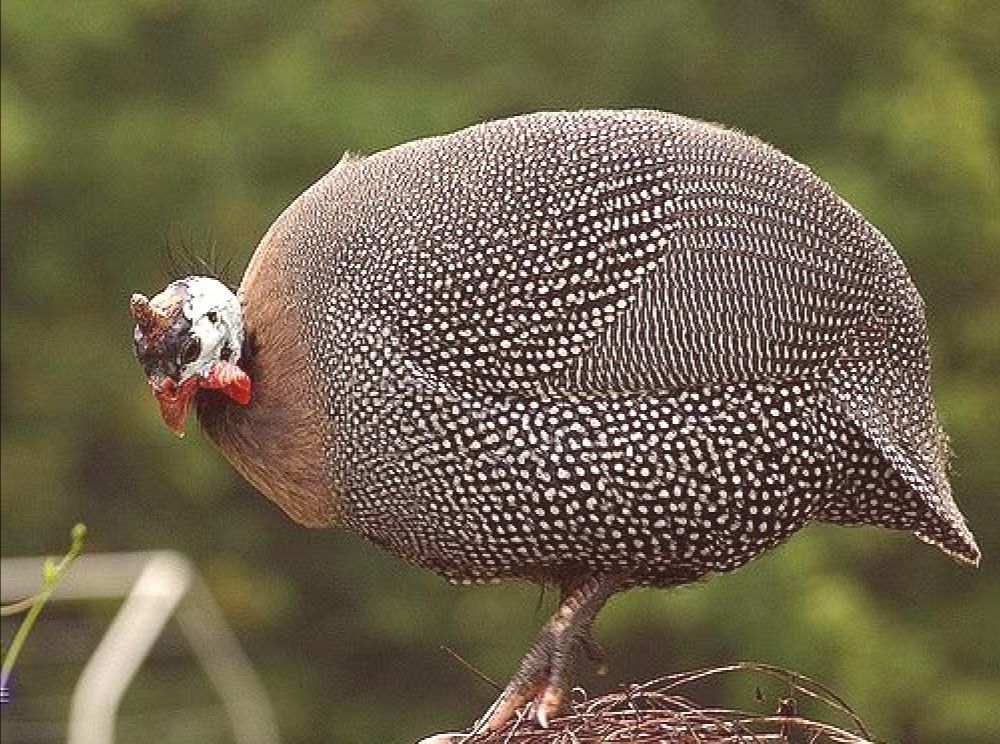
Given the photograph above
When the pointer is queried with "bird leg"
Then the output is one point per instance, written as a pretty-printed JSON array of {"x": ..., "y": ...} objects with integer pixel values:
[{"x": 543, "y": 676}]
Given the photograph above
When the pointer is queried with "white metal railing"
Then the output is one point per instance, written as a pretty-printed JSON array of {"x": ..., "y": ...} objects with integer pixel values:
[{"x": 156, "y": 586}]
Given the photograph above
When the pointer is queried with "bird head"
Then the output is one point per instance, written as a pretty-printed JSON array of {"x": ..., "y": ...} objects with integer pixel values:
[{"x": 189, "y": 337}]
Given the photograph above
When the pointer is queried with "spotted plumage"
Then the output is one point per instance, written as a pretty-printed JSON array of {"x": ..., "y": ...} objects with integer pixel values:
[
  {"x": 570, "y": 342},
  {"x": 573, "y": 345}
]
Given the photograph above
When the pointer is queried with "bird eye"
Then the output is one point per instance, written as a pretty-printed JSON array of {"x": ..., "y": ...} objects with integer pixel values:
[
  {"x": 191, "y": 351},
  {"x": 212, "y": 316}
]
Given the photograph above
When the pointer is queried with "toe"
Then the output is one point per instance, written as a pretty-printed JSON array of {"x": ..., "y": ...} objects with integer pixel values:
[
  {"x": 548, "y": 704},
  {"x": 508, "y": 704}
]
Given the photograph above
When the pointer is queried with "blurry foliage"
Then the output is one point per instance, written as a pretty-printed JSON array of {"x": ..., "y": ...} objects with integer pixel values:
[{"x": 126, "y": 125}]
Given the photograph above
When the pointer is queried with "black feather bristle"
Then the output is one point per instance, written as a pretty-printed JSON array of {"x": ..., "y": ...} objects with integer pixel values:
[{"x": 184, "y": 257}]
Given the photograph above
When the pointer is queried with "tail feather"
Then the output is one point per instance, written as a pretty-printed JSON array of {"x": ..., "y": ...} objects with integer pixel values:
[{"x": 888, "y": 484}]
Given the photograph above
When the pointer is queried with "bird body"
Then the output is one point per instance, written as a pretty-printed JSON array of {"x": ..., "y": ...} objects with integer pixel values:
[
  {"x": 568, "y": 345},
  {"x": 564, "y": 343}
]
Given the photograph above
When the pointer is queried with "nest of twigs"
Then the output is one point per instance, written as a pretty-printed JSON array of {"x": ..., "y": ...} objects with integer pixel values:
[{"x": 662, "y": 712}]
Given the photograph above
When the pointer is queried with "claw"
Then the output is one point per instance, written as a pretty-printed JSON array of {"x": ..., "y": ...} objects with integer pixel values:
[
  {"x": 549, "y": 704},
  {"x": 595, "y": 652},
  {"x": 542, "y": 717}
]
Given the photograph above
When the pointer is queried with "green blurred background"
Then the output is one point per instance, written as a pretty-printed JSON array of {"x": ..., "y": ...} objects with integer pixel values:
[{"x": 126, "y": 125}]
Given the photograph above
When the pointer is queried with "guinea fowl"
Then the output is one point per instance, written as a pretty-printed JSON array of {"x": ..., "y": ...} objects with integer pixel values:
[{"x": 598, "y": 349}]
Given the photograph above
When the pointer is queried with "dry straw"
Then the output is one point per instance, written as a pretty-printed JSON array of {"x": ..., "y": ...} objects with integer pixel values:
[{"x": 661, "y": 712}]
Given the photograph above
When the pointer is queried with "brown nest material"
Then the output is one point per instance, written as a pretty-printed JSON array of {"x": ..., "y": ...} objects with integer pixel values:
[{"x": 661, "y": 712}]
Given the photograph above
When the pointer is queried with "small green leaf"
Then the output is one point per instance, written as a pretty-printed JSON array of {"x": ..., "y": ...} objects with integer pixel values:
[{"x": 50, "y": 572}]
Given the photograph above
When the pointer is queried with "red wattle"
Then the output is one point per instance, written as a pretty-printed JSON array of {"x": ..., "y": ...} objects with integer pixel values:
[
  {"x": 174, "y": 401},
  {"x": 230, "y": 379}
]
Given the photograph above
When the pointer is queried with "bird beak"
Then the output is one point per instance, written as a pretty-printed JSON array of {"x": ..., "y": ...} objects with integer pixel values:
[
  {"x": 174, "y": 400},
  {"x": 151, "y": 319}
]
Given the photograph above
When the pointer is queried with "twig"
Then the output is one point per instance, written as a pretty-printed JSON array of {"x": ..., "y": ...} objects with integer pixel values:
[{"x": 469, "y": 666}]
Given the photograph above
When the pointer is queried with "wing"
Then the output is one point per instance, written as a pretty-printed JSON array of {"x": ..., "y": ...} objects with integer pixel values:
[{"x": 627, "y": 252}]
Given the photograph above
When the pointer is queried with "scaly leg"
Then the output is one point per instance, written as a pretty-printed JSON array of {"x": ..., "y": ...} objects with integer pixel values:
[{"x": 543, "y": 676}]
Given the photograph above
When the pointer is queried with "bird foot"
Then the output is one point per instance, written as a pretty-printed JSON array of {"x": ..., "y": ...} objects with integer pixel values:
[
  {"x": 539, "y": 688},
  {"x": 543, "y": 702},
  {"x": 542, "y": 681},
  {"x": 536, "y": 689}
]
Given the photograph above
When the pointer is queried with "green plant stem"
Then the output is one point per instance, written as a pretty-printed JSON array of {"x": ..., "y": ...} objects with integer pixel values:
[{"x": 50, "y": 578}]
